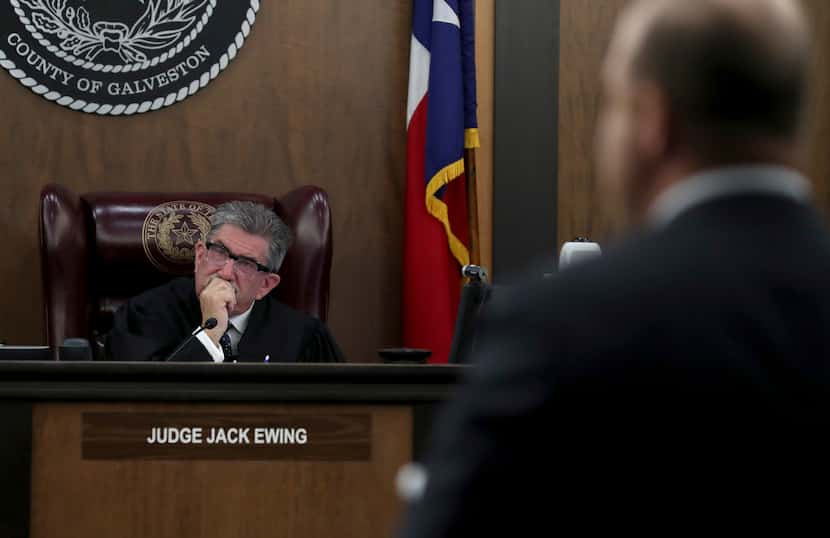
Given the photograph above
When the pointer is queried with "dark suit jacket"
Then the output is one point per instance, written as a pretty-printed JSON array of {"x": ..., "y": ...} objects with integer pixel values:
[
  {"x": 151, "y": 325},
  {"x": 681, "y": 374}
]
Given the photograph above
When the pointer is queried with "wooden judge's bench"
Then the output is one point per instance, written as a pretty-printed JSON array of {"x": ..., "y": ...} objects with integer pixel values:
[{"x": 137, "y": 450}]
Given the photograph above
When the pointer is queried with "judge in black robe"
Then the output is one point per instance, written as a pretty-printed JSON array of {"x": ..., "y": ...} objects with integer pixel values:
[
  {"x": 235, "y": 270},
  {"x": 150, "y": 326}
]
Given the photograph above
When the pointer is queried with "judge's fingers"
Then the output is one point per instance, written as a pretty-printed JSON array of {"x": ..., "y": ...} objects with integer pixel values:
[
  {"x": 222, "y": 287},
  {"x": 217, "y": 295},
  {"x": 230, "y": 303},
  {"x": 224, "y": 291}
]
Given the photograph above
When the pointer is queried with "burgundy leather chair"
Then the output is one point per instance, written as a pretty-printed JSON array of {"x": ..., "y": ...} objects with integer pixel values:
[{"x": 99, "y": 249}]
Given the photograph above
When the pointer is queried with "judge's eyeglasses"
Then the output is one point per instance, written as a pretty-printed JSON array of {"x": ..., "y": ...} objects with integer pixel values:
[{"x": 218, "y": 254}]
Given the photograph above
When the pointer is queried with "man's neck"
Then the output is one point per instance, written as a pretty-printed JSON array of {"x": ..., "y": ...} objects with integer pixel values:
[
  {"x": 239, "y": 310},
  {"x": 728, "y": 181},
  {"x": 676, "y": 170}
]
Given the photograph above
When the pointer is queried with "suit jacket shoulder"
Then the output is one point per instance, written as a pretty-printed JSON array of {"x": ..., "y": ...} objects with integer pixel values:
[
  {"x": 284, "y": 334},
  {"x": 151, "y": 324},
  {"x": 684, "y": 361}
]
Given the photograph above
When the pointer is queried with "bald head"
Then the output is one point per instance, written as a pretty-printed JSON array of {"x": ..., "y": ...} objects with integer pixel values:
[
  {"x": 695, "y": 84},
  {"x": 731, "y": 70}
]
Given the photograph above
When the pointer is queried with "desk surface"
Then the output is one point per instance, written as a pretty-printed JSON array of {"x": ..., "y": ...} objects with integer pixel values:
[{"x": 122, "y": 381}]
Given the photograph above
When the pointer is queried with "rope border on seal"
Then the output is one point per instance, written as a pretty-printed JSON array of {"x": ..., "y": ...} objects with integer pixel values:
[
  {"x": 145, "y": 106},
  {"x": 106, "y": 68}
]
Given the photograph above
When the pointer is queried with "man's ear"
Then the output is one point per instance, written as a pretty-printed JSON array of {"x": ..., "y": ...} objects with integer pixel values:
[
  {"x": 199, "y": 253},
  {"x": 272, "y": 280},
  {"x": 653, "y": 121}
]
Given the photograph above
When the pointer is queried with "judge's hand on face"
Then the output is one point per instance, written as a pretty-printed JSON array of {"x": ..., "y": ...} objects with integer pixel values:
[{"x": 217, "y": 300}]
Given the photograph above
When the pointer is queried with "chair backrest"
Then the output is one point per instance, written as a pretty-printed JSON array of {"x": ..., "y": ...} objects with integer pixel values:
[{"x": 99, "y": 249}]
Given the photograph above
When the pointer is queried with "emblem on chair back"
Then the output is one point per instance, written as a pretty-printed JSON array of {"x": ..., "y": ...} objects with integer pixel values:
[{"x": 170, "y": 233}]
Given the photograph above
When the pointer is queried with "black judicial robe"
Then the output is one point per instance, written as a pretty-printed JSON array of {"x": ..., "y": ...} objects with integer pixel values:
[{"x": 151, "y": 325}]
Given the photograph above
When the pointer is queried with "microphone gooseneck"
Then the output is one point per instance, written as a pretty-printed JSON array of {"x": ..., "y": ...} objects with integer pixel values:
[{"x": 209, "y": 323}]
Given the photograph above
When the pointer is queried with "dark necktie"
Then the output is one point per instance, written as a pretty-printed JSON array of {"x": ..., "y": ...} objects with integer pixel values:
[{"x": 225, "y": 342}]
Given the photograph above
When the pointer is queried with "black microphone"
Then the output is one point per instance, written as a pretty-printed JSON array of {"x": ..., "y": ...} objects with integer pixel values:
[
  {"x": 208, "y": 324},
  {"x": 75, "y": 349},
  {"x": 473, "y": 296},
  {"x": 475, "y": 273}
]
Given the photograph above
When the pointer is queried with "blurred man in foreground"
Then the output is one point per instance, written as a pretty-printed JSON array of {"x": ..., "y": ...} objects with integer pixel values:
[{"x": 686, "y": 372}]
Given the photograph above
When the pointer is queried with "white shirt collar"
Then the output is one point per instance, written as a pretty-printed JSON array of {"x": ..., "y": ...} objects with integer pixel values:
[
  {"x": 727, "y": 181},
  {"x": 240, "y": 321}
]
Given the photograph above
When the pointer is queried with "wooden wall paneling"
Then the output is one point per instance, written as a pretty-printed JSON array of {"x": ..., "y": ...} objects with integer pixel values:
[
  {"x": 485, "y": 63},
  {"x": 817, "y": 127},
  {"x": 585, "y": 31}
]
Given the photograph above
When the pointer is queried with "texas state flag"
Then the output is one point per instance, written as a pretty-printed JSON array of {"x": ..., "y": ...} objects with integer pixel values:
[{"x": 441, "y": 123}]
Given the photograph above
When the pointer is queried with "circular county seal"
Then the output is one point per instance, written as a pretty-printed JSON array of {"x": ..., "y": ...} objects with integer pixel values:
[
  {"x": 124, "y": 57},
  {"x": 170, "y": 233}
]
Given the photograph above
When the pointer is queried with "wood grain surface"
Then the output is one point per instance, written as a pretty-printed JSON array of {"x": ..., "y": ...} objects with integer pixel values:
[{"x": 72, "y": 496}]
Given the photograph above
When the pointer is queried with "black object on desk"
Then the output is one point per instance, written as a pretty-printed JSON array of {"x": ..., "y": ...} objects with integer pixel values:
[
  {"x": 404, "y": 355},
  {"x": 25, "y": 353},
  {"x": 75, "y": 349}
]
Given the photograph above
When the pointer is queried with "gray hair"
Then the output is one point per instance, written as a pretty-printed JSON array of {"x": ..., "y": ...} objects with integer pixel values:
[{"x": 255, "y": 219}]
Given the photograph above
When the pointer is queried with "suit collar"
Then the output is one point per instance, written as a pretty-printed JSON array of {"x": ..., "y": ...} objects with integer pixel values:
[
  {"x": 240, "y": 321},
  {"x": 719, "y": 183}
]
